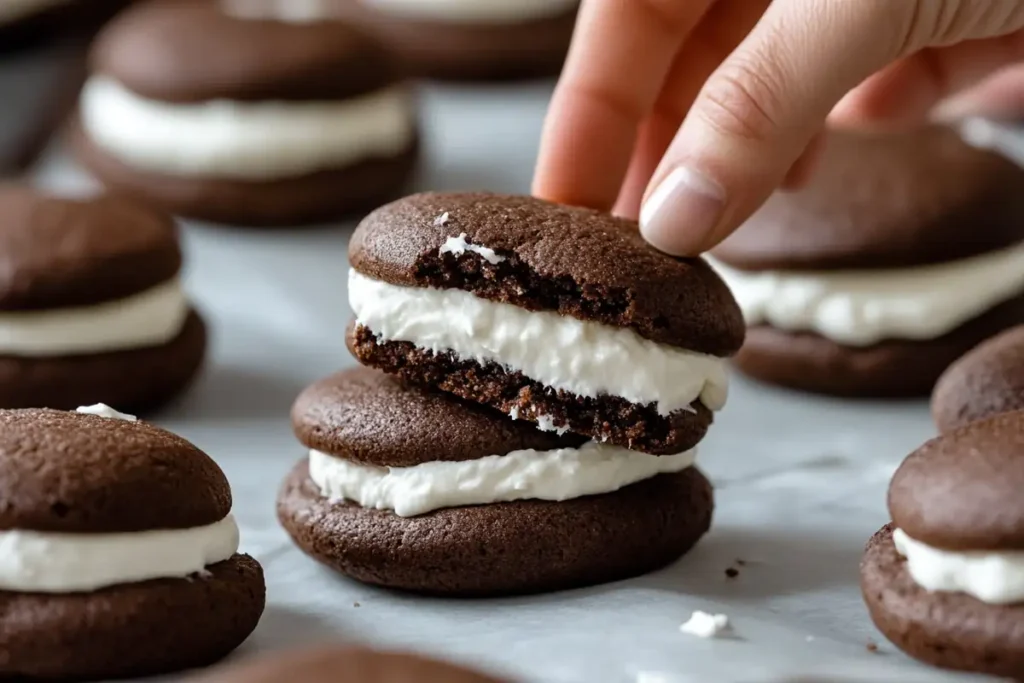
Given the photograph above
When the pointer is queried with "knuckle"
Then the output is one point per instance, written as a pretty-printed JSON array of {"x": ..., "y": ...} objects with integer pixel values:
[{"x": 742, "y": 102}]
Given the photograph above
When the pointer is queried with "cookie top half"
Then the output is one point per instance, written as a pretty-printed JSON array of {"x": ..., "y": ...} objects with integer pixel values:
[
  {"x": 962, "y": 490},
  {"x": 353, "y": 414},
  {"x": 60, "y": 252},
  {"x": 327, "y": 664},
  {"x": 886, "y": 201},
  {"x": 543, "y": 256},
  {"x": 197, "y": 50},
  {"x": 84, "y": 473},
  {"x": 987, "y": 381}
]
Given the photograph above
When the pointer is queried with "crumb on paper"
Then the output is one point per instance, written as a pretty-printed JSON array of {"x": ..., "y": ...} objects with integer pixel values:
[
  {"x": 442, "y": 220},
  {"x": 652, "y": 677},
  {"x": 704, "y": 625},
  {"x": 732, "y": 572},
  {"x": 872, "y": 646},
  {"x": 740, "y": 563},
  {"x": 355, "y": 604}
]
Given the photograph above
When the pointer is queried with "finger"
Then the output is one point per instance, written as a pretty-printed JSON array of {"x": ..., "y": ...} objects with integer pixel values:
[
  {"x": 758, "y": 113},
  {"x": 723, "y": 28},
  {"x": 617, "y": 64},
  {"x": 1001, "y": 97},
  {"x": 908, "y": 90}
]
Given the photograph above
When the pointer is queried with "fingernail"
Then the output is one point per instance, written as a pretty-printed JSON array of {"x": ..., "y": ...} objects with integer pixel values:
[{"x": 682, "y": 211}]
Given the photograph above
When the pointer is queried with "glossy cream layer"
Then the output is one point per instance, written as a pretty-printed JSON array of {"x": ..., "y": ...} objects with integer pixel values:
[
  {"x": 990, "y": 576},
  {"x": 584, "y": 358},
  {"x": 49, "y": 562},
  {"x": 556, "y": 475},
  {"x": 247, "y": 141},
  {"x": 149, "y": 318},
  {"x": 861, "y": 308}
]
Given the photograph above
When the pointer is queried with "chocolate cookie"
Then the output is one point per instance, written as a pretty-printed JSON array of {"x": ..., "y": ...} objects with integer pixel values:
[
  {"x": 883, "y": 201},
  {"x": 183, "y": 108},
  {"x": 91, "y": 306},
  {"x": 943, "y": 581},
  {"x": 470, "y": 40},
  {"x": 113, "y": 530},
  {"x": 987, "y": 381},
  {"x": 464, "y": 501},
  {"x": 560, "y": 316},
  {"x": 349, "y": 664},
  {"x": 904, "y": 252}
]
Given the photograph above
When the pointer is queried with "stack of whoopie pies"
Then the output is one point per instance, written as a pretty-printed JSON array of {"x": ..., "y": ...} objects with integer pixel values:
[
  {"x": 546, "y": 377},
  {"x": 905, "y": 251}
]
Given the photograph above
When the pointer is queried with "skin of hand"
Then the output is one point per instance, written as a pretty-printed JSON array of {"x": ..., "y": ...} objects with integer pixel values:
[{"x": 688, "y": 114}]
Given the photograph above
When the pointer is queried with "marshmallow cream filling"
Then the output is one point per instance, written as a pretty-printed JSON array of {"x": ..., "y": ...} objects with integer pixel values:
[
  {"x": 994, "y": 577},
  {"x": 861, "y": 308},
  {"x": 149, "y": 318},
  {"x": 49, "y": 562},
  {"x": 248, "y": 141},
  {"x": 584, "y": 358},
  {"x": 556, "y": 475},
  {"x": 474, "y": 11}
]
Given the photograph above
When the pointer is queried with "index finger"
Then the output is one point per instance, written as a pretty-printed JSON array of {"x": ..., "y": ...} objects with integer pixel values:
[{"x": 619, "y": 59}]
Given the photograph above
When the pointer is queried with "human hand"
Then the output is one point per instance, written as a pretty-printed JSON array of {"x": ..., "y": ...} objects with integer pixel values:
[{"x": 689, "y": 113}]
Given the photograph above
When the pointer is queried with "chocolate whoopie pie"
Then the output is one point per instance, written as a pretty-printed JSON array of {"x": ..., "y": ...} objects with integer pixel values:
[
  {"x": 559, "y": 316},
  {"x": 471, "y": 39},
  {"x": 350, "y": 664},
  {"x": 185, "y": 108},
  {"x": 91, "y": 304},
  {"x": 119, "y": 550},
  {"x": 463, "y": 501},
  {"x": 987, "y": 381},
  {"x": 945, "y": 580},
  {"x": 904, "y": 252}
]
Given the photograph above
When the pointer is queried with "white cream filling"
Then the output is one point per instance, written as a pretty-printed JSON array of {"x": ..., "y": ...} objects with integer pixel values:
[
  {"x": 861, "y": 308},
  {"x": 11, "y": 10},
  {"x": 103, "y": 410},
  {"x": 249, "y": 141},
  {"x": 990, "y": 576},
  {"x": 557, "y": 475},
  {"x": 288, "y": 11},
  {"x": 49, "y": 562},
  {"x": 474, "y": 11},
  {"x": 149, "y": 318},
  {"x": 584, "y": 358}
]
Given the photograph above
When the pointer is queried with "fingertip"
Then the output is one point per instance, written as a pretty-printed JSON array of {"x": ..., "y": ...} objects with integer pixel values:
[{"x": 682, "y": 211}]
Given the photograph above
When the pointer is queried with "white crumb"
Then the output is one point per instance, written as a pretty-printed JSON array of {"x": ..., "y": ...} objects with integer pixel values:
[
  {"x": 704, "y": 625},
  {"x": 652, "y": 677},
  {"x": 546, "y": 423},
  {"x": 514, "y": 413},
  {"x": 103, "y": 410},
  {"x": 457, "y": 246},
  {"x": 442, "y": 220}
]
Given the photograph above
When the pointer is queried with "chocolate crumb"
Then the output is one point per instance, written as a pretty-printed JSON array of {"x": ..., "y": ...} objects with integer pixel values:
[
  {"x": 355, "y": 604},
  {"x": 732, "y": 572},
  {"x": 872, "y": 647}
]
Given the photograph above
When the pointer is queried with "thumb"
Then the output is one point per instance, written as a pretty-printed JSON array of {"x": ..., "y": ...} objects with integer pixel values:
[{"x": 759, "y": 112}]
